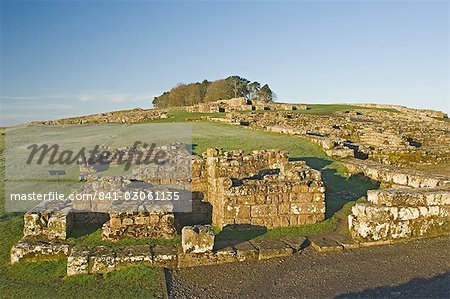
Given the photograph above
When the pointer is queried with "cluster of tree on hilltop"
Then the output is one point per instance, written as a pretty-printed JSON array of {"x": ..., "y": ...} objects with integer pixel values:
[{"x": 211, "y": 91}]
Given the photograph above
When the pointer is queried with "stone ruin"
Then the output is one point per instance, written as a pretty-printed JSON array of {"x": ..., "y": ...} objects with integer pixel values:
[
  {"x": 241, "y": 104},
  {"x": 140, "y": 224},
  {"x": 124, "y": 116},
  {"x": 414, "y": 204},
  {"x": 264, "y": 189},
  {"x": 259, "y": 175},
  {"x": 197, "y": 239},
  {"x": 52, "y": 221},
  {"x": 261, "y": 188},
  {"x": 401, "y": 213},
  {"x": 377, "y": 144},
  {"x": 404, "y": 137}
]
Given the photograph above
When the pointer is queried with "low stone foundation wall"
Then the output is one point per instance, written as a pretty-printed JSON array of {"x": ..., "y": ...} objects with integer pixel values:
[
  {"x": 102, "y": 259},
  {"x": 37, "y": 249},
  {"x": 394, "y": 175},
  {"x": 124, "y": 116},
  {"x": 401, "y": 213},
  {"x": 139, "y": 225},
  {"x": 241, "y": 104}
]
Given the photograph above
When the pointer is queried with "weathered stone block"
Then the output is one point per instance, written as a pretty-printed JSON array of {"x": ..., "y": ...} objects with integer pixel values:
[
  {"x": 409, "y": 213},
  {"x": 197, "y": 239},
  {"x": 127, "y": 255},
  {"x": 47, "y": 225},
  {"x": 272, "y": 249},
  {"x": 78, "y": 261},
  {"x": 346, "y": 241},
  {"x": 102, "y": 259},
  {"x": 165, "y": 256},
  {"x": 225, "y": 254},
  {"x": 295, "y": 242},
  {"x": 326, "y": 244},
  {"x": 264, "y": 210},
  {"x": 246, "y": 251},
  {"x": 32, "y": 249},
  {"x": 186, "y": 260}
]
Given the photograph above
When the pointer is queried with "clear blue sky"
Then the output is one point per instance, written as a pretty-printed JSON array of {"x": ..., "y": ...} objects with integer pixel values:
[{"x": 71, "y": 58}]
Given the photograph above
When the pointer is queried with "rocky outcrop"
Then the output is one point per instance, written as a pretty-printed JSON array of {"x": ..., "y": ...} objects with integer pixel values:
[{"x": 197, "y": 239}]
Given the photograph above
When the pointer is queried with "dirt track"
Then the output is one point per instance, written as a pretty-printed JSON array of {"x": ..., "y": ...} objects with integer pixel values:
[{"x": 418, "y": 269}]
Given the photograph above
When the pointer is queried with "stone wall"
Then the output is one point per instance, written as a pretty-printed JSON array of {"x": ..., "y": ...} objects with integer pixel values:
[
  {"x": 48, "y": 221},
  {"x": 124, "y": 116},
  {"x": 395, "y": 176},
  {"x": 422, "y": 112},
  {"x": 241, "y": 104},
  {"x": 37, "y": 249},
  {"x": 389, "y": 137},
  {"x": 222, "y": 106},
  {"x": 261, "y": 188},
  {"x": 102, "y": 259},
  {"x": 139, "y": 225},
  {"x": 401, "y": 213}
]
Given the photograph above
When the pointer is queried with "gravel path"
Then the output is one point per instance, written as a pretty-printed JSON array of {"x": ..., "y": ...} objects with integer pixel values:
[{"x": 418, "y": 269}]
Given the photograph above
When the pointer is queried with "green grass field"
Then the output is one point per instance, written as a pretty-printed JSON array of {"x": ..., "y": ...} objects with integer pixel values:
[
  {"x": 46, "y": 278},
  {"x": 43, "y": 279}
]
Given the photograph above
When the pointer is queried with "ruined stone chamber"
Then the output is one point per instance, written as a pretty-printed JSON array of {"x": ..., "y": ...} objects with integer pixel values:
[
  {"x": 241, "y": 104},
  {"x": 261, "y": 188}
]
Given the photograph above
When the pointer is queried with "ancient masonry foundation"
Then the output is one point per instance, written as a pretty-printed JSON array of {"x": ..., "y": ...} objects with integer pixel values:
[
  {"x": 416, "y": 204},
  {"x": 262, "y": 188},
  {"x": 400, "y": 213}
]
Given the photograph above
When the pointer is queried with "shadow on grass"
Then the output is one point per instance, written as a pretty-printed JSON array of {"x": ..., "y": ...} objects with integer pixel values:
[
  {"x": 80, "y": 231},
  {"x": 232, "y": 235},
  {"x": 191, "y": 148},
  {"x": 339, "y": 188}
]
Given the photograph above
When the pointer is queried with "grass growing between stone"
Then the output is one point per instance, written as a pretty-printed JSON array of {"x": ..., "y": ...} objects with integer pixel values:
[
  {"x": 337, "y": 223},
  {"x": 341, "y": 188},
  {"x": 89, "y": 238},
  {"x": 326, "y": 109},
  {"x": 181, "y": 115},
  {"x": 47, "y": 279},
  {"x": 43, "y": 279}
]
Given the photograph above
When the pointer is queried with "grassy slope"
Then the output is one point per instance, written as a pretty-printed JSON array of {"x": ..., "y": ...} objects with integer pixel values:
[
  {"x": 46, "y": 278},
  {"x": 232, "y": 137}
]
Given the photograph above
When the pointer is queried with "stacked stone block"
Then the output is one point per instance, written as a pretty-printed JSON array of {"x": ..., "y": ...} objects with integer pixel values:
[
  {"x": 401, "y": 213},
  {"x": 48, "y": 221},
  {"x": 139, "y": 225},
  {"x": 197, "y": 239},
  {"x": 262, "y": 188},
  {"x": 136, "y": 115},
  {"x": 392, "y": 175}
]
